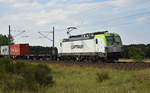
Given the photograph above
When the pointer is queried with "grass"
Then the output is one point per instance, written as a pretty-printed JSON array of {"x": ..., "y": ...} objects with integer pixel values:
[
  {"x": 84, "y": 80},
  {"x": 75, "y": 79},
  {"x": 131, "y": 60}
]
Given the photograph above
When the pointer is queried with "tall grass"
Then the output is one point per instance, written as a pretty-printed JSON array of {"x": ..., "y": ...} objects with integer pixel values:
[
  {"x": 94, "y": 80},
  {"x": 73, "y": 79},
  {"x": 102, "y": 76},
  {"x": 20, "y": 76}
]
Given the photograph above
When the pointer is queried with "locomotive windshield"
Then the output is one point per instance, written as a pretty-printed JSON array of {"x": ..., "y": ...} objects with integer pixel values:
[
  {"x": 109, "y": 39},
  {"x": 113, "y": 39},
  {"x": 117, "y": 39}
]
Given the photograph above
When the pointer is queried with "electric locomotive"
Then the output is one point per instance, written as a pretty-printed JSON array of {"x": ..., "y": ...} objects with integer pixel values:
[{"x": 91, "y": 46}]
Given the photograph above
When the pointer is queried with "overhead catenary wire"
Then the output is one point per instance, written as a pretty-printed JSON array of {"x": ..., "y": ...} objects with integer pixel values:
[
  {"x": 106, "y": 24},
  {"x": 132, "y": 15},
  {"x": 20, "y": 33},
  {"x": 110, "y": 23},
  {"x": 44, "y": 36}
]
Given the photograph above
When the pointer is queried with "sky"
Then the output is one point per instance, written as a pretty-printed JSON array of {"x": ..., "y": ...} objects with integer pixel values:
[{"x": 129, "y": 18}]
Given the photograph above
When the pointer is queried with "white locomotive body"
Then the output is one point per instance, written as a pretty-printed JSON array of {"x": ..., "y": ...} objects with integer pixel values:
[{"x": 98, "y": 45}]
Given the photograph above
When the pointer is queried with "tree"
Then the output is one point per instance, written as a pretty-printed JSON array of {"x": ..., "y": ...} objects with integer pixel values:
[
  {"x": 125, "y": 51},
  {"x": 137, "y": 54},
  {"x": 4, "y": 40},
  {"x": 148, "y": 51}
]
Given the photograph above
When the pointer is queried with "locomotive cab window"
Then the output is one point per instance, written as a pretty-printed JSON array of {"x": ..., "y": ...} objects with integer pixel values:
[
  {"x": 113, "y": 39},
  {"x": 117, "y": 39},
  {"x": 110, "y": 39},
  {"x": 96, "y": 41}
]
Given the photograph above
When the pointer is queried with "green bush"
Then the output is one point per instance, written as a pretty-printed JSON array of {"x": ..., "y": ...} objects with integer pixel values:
[
  {"x": 42, "y": 75},
  {"x": 136, "y": 54},
  {"x": 19, "y": 67},
  {"x": 102, "y": 76},
  {"x": 138, "y": 58},
  {"x": 6, "y": 65},
  {"x": 20, "y": 76}
]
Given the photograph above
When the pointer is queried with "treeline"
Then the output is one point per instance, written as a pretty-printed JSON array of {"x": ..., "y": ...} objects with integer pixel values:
[
  {"x": 4, "y": 40},
  {"x": 136, "y": 51}
]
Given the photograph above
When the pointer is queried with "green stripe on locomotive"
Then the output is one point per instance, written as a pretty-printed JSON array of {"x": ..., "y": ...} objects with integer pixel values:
[
  {"x": 61, "y": 41},
  {"x": 109, "y": 35}
]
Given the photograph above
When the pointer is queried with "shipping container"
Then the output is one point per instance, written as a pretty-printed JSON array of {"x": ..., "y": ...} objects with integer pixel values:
[
  {"x": 19, "y": 49},
  {"x": 4, "y": 50}
]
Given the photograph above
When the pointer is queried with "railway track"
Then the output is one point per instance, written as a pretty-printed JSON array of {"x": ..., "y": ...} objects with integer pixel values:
[{"x": 109, "y": 65}]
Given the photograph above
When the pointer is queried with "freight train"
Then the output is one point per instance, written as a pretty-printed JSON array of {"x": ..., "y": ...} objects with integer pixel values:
[
  {"x": 22, "y": 51},
  {"x": 94, "y": 46}
]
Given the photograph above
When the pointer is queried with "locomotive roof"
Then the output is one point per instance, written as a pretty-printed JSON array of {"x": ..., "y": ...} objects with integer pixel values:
[
  {"x": 83, "y": 36},
  {"x": 88, "y": 34}
]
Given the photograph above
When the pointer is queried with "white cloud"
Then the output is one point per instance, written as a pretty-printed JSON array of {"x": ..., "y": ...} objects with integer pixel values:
[
  {"x": 52, "y": 3},
  {"x": 42, "y": 17},
  {"x": 7, "y": 0},
  {"x": 120, "y": 3},
  {"x": 26, "y": 5},
  {"x": 142, "y": 20},
  {"x": 2, "y": 0},
  {"x": 49, "y": 4},
  {"x": 50, "y": 17},
  {"x": 84, "y": 7},
  {"x": 42, "y": 22},
  {"x": 130, "y": 4}
]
